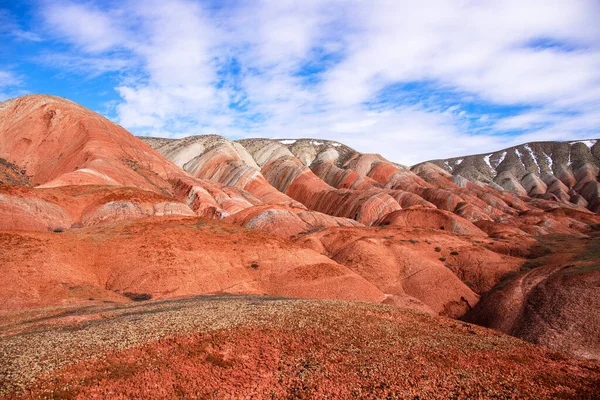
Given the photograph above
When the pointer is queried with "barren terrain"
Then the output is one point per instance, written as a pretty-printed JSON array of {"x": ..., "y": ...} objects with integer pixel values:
[{"x": 243, "y": 346}]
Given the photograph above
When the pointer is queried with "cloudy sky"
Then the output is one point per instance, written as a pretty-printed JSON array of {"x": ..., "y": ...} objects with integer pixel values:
[{"x": 412, "y": 80}]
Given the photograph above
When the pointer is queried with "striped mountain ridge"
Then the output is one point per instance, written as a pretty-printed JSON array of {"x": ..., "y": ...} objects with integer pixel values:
[
  {"x": 565, "y": 172},
  {"x": 561, "y": 171}
]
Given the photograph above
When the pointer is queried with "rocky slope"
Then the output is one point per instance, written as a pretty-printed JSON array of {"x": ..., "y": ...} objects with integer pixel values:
[
  {"x": 89, "y": 212},
  {"x": 552, "y": 300},
  {"x": 334, "y": 179},
  {"x": 566, "y": 172}
]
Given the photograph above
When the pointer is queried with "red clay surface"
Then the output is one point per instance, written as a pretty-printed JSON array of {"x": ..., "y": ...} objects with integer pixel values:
[{"x": 165, "y": 257}]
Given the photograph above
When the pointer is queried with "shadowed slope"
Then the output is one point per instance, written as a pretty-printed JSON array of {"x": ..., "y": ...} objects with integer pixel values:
[{"x": 554, "y": 299}]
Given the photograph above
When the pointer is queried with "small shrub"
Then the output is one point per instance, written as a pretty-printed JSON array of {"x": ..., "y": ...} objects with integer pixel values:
[
  {"x": 454, "y": 253},
  {"x": 254, "y": 265},
  {"x": 312, "y": 230},
  {"x": 442, "y": 259},
  {"x": 437, "y": 249},
  {"x": 413, "y": 241},
  {"x": 529, "y": 265},
  {"x": 574, "y": 270},
  {"x": 138, "y": 296},
  {"x": 58, "y": 230},
  {"x": 218, "y": 360}
]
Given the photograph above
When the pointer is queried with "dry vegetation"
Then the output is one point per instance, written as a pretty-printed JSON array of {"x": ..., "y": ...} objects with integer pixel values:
[{"x": 241, "y": 346}]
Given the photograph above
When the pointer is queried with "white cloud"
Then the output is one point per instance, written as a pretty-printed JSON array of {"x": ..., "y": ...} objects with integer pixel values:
[
  {"x": 8, "y": 79},
  {"x": 176, "y": 54},
  {"x": 10, "y": 85},
  {"x": 88, "y": 27},
  {"x": 478, "y": 47},
  {"x": 20, "y": 34},
  {"x": 91, "y": 66}
]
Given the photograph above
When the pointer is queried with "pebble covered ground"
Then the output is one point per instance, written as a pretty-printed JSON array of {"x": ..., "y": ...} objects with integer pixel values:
[{"x": 227, "y": 346}]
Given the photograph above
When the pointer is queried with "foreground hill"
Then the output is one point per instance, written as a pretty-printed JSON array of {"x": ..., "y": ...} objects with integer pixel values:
[
  {"x": 240, "y": 347},
  {"x": 165, "y": 258}
]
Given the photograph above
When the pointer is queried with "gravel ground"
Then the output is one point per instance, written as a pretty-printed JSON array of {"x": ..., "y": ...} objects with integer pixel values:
[{"x": 264, "y": 347}]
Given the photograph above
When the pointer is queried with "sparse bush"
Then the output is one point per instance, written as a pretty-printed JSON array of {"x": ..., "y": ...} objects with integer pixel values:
[
  {"x": 454, "y": 253},
  {"x": 442, "y": 259},
  {"x": 254, "y": 265},
  {"x": 218, "y": 360},
  {"x": 58, "y": 230},
  {"x": 312, "y": 230},
  {"x": 437, "y": 249},
  {"x": 138, "y": 296}
]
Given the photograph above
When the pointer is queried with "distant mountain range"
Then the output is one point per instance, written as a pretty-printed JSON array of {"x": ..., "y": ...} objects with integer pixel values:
[
  {"x": 565, "y": 172},
  {"x": 561, "y": 171}
]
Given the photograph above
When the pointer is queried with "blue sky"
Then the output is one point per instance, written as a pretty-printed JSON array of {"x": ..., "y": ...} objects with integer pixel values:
[{"x": 412, "y": 80}]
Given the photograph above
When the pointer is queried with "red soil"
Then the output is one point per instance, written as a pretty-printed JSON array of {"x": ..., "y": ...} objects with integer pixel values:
[
  {"x": 440, "y": 270},
  {"x": 313, "y": 350},
  {"x": 72, "y": 182},
  {"x": 165, "y": 258}
]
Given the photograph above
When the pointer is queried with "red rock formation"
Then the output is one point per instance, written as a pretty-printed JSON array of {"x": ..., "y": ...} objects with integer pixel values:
[
  {"x": 415, "y": 265},
  {"x": 166, "y": 258},
  {"x": 60, "y": 143},
  {"x": 285, "y": 221},
  {"x": 217, "y": 159},
  {"x": 68, "y": 170},
  {"x": 343, "y": 178},
  {"x": 422, "y": 217},
  {"x": 43, "y": 209},
  {"x": 289, "y": 176},
  {"x": 558, "y": 171}
]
